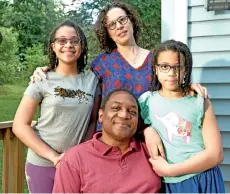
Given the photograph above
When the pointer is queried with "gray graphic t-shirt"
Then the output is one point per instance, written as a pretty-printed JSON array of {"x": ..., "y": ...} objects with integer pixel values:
[{"x": 65, "y": 110}]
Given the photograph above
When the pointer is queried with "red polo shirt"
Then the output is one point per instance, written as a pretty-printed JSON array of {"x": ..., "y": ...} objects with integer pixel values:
[{"x": 96, "y": 167}]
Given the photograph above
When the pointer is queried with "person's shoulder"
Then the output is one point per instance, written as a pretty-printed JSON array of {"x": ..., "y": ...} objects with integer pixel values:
[
  {"x": 88, "y": 74},
  {"x": 80, "y": 147},
  {"x": 100, "y": 56},
  {"x": 146, "y": 95},
  {"x": 77, "y": 150}
]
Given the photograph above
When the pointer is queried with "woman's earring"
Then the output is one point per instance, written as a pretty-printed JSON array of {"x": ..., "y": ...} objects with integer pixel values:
[{"x": 56, "y": 63}]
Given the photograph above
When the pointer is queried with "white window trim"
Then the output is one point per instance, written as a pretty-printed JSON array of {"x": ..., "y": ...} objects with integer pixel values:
[{"x": 174, "y": 20}]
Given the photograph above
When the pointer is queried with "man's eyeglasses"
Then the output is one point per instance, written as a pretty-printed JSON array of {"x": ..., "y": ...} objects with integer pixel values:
[
  {"x": 122, "y": 20},
  {"x": 165, "y": 68},
  {"x": 63, "y": 41}
]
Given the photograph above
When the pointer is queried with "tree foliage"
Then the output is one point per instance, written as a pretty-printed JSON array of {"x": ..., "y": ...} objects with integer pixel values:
[
  {"x": 9, "y": 63},
  {"x": 26, "y": 25}
]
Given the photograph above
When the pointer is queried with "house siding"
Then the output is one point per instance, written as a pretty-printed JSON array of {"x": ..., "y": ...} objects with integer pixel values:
[{"x": 209, "y": 41}]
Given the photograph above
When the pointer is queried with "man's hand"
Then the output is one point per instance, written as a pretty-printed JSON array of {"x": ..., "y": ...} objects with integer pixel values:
[{"x": 153, "y": 143}]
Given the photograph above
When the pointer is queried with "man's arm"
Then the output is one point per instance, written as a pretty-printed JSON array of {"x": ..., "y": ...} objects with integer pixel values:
[{"x": 67, "y": 178}]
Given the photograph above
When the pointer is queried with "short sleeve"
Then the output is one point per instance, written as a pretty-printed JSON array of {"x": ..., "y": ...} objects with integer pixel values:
[
  {"x": 96, "y": 67},
  {"x": 34, "y": 91},
  {"x": 143, "y": 101},
  {"x": 200, "y": 106}
]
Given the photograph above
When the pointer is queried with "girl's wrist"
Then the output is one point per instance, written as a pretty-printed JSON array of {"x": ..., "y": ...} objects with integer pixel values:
[{"x": 52, "y": 155}]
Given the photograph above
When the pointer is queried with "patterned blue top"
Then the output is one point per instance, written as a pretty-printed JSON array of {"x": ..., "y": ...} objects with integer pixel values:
[{"x": 115, "y": 72}]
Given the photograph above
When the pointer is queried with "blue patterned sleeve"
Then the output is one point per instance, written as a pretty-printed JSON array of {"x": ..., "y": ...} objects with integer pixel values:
[
  {"x": 96, "y": 67},
  {"x": 143, "y": 101}
]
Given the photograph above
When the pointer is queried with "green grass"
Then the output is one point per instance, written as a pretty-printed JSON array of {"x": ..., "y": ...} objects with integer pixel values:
[{"x": 10, "y": 96}]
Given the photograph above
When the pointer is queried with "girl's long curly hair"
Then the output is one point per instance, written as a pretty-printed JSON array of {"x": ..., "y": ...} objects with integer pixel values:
[
  {"x": 82, "y": 60},
  {"x": 106, "y": 43},
  {"x": 181, "y": 49}
]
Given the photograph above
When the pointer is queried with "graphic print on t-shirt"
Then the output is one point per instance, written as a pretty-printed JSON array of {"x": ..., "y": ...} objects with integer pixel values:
[
  {"x": 177, "y": 126},
  {"x": 67, "y": 93}
]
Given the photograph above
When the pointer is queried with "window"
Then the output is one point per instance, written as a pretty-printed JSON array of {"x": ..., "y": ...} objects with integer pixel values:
[{"x": 216, "y": 5}]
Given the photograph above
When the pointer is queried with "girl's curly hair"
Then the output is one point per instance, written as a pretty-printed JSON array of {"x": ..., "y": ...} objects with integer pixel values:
[
  {"x": 106, "y": 43},
  {"x": 181, "y": 49},
  {"x": 82, "y": 60}
]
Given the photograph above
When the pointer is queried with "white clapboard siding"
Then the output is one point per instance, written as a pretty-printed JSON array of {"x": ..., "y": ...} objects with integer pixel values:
[
  {"x": 193, "y": 3},
  {"x": 227, "y": 186},
  {"x": 225, "y": 140},
  {"x": 225, "y": 171},
  {"x": 218, "y": 91},
  {"x": 199, "y": 13},
  {"x": 211, "y": 75},
  {"x": 209, "y": 42},
  {"x": 211, "y": 59},
  {"x": 223, "y": 123},
  {"x": 209, "y": 28},
  {"x": 227, "y": 156},
  {"x": 221, "y": 107}
]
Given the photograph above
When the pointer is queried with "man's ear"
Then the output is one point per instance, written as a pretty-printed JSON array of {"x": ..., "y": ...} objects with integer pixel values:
[{"x": 100, "y": 114}]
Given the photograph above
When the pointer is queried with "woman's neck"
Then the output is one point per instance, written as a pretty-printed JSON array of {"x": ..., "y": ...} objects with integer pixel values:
[
  {"x": 67, "y": 69},
  {"x": 127, "y": 49}
]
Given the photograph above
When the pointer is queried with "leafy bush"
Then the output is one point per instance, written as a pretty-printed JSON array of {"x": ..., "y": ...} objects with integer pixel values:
[{"x": 9, "y": 63}]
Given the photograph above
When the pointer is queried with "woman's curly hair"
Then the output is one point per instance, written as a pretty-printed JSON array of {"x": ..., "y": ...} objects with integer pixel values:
[
  {"x": 82, "y": 60},
  {"x": 106, "y": 43},
  {"x": 181, "y": 49}
]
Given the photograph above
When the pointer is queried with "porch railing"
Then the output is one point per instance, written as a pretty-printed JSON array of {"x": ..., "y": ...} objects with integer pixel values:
[{"x": 13, "y": 160}]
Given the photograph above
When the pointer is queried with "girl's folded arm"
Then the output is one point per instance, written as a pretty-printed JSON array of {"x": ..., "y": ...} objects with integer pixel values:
[{"x": 213, "y": 153}]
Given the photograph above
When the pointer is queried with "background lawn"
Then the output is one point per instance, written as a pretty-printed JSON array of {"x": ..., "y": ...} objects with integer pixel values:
[{"x": 10, "y": 96}]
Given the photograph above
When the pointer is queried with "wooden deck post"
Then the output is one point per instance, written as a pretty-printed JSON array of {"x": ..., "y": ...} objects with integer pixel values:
[{"x": 13, "y": 163}]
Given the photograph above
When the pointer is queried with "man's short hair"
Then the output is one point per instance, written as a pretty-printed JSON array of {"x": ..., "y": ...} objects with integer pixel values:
[{"x": 107, "y": 97}]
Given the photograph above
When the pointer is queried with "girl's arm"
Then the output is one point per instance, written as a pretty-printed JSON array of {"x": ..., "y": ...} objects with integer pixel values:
[
  {"x": 153, "y": 143},
  {"x": 22, "y": 129},
  {"x": 93, "y": 119},
  {"x": 204, "y": 160}
]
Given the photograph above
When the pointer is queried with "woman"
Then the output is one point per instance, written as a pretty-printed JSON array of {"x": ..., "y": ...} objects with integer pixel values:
[
  {"x": 123, "y": 64},
  {"x": 68, "y": 101}
]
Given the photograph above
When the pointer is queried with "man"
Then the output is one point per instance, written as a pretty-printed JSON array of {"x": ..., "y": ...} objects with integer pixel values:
[{"x": 113, "y": 161}]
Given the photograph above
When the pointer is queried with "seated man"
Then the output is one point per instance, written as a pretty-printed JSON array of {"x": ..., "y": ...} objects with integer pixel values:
[{"x": 113, "y": 161}]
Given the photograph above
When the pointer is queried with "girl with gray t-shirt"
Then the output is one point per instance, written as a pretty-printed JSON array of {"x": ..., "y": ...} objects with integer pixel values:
[{"x": 68, "y": 102}]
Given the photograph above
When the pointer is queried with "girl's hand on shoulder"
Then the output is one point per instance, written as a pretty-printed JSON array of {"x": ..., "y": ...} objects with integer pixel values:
[
  {"x": 153, "y": 143},
  {"x": 39, "y": 74},
  {"x": 57, "y": 158},
  {"x": 201, "y": 90},
  {"x": 161, "y": 166}
]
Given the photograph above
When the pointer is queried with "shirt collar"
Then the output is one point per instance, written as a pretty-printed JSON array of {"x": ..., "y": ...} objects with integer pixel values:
[{"x": 104, "y": 149}]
